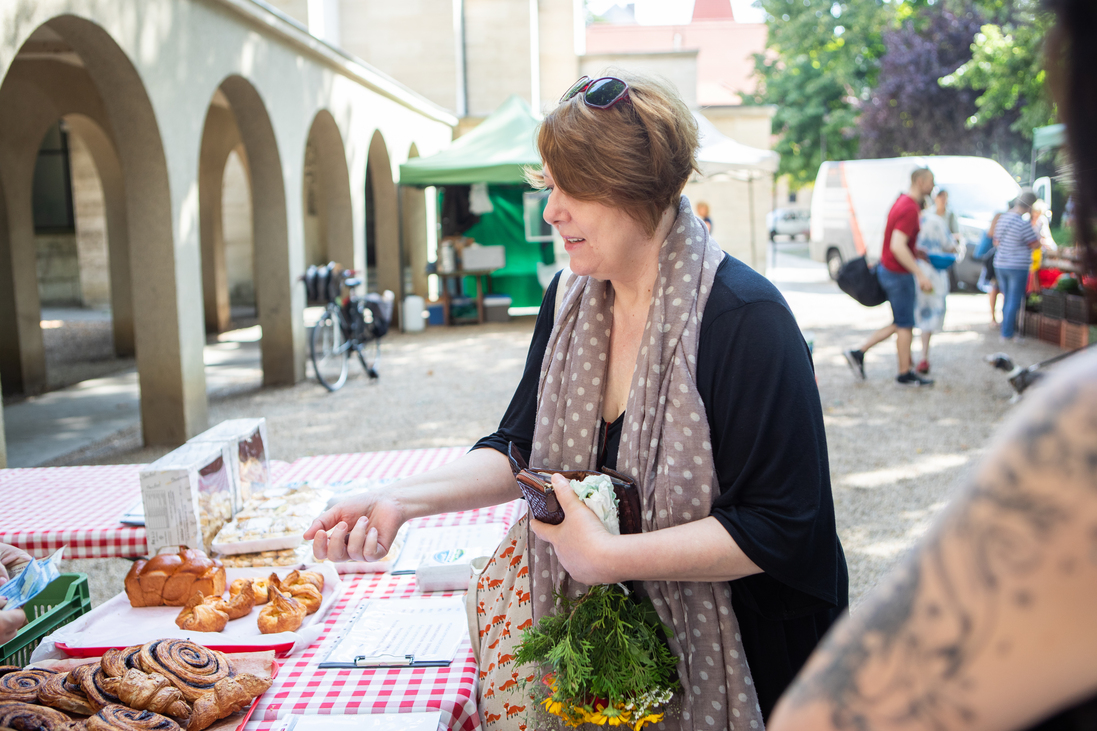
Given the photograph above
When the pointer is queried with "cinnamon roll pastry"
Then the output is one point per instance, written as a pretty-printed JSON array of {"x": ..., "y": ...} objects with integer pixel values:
[
  {"x": 307, "y": 594},
  {"x": 5, "y": 669},
  {"x": 238, "y": 606},
  {"x": 90, "y": 678},
  {"x": 65, "y": 694},
  {"x": 307, "y": 577},
  {"x": 282, "y": 614},
  {"x": 149, "y": 692},
  {"x": 258, "y": 587},
  {"x": 29, "y": 717},
  {"x": 119, "y": 718},
  {"x": 193, "y": 669},
  {"x": 23, "y": 685},
  {"x": 116, "y": 662},
  {"x": 198, "y": 616},
  {"x": 228, "y": 696}
]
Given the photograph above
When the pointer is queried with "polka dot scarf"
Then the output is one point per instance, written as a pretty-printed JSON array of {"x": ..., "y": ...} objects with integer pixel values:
[{"x": 665, "y": 447}]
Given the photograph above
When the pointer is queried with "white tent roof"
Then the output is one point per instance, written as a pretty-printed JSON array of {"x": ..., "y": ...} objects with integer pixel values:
[{"x": 721, "y": 155}]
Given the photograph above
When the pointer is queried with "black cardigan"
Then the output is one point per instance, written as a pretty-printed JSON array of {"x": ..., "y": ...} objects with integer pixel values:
[{"x": 757, "y": 382}]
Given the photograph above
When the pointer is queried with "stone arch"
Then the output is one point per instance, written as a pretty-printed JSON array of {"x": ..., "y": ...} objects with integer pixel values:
[
  {"x": 416, "y": 235},
  {"x": 326, "y": 200},
  {"x": 384, "y": 229},
  {"x": 71, "y": 65},
  {"x": 277, "y": 297}
]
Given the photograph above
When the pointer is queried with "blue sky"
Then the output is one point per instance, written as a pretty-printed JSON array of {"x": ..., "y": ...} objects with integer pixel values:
[{"x": 675, "y": 12}]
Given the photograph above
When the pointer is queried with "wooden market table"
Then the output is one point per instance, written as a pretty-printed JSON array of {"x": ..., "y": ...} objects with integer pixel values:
[{"x": 44, "y": 508}]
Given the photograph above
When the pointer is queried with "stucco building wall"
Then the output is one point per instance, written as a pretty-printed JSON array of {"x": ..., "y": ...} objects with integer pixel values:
[{"x": 144, "y": 72}]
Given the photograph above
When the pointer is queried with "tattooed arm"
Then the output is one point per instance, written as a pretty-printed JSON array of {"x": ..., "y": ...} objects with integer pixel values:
[{"x": 991, "y": 623}]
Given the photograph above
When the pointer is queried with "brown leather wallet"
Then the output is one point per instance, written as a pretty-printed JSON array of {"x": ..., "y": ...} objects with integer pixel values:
[{"x": 536, "y": 487}]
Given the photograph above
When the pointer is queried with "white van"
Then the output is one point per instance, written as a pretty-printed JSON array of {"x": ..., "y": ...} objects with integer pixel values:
[{"x": 850, "y": 204}]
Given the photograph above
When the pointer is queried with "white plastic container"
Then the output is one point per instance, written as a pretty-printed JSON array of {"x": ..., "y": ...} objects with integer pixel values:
[
  {"x": 478, "y": 257},
  {"x": 412, "y": 313}
]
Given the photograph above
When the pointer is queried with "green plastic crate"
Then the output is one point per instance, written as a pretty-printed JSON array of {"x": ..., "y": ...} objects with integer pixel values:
[{"x": 65, "y": 599}]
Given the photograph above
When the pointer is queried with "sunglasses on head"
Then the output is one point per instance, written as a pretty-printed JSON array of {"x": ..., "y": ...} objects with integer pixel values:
[{"x": 600, "y": 93}]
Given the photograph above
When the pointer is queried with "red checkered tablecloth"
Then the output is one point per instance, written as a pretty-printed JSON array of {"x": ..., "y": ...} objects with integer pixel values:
[
  {"x": 302, "y": 687},
  {"x": 44, "y": 508}
]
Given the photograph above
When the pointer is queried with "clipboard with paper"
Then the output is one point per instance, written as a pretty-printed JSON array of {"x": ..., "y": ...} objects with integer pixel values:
[{"x": 400, "y": 633}]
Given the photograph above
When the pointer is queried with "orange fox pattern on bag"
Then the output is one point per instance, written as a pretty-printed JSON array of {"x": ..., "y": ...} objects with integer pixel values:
[{"x": 503, "y": 610}]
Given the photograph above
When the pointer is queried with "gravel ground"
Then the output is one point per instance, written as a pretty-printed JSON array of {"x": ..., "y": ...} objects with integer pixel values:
[{"x": 896, "y": 454}]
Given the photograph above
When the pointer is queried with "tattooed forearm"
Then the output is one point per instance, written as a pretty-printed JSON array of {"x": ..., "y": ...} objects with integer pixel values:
[{"x": 911, "y": 657}]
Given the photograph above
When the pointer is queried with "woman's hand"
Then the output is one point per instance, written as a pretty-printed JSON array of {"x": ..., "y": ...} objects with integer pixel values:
[
  {"x": 360, "y": 528},
  {"x": 580, "y": 541},
  {"x": 12, "y": 561}
]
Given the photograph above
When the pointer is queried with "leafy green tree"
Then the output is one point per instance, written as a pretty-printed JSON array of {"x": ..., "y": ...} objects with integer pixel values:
[
  {"x": 1007, "y": 67},
  {"x": 819, "y": 68},
  {"x": 910, "y": 113}
]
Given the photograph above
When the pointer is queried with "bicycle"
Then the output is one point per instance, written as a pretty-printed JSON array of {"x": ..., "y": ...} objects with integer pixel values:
[{"x": 349, "y": 324}]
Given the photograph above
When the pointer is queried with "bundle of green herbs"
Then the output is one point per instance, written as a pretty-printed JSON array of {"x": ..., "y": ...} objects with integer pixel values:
[{"x": 601, "y": 659}]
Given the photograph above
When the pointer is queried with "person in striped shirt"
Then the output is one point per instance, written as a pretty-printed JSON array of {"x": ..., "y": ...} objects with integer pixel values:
[{"x": 1015, "y": 240}]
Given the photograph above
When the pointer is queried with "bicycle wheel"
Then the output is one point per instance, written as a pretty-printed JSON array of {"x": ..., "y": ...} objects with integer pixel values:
[
  {"x": 369, "y": 353},
  {"x": 330, "y": 351}
]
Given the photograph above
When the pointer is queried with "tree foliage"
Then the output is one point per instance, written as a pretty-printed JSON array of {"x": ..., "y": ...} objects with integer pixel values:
[
  {"x": 883, "y": 78},
  {"x": 1007, "y": 67},
  {"x": 910, "y": 113},
  {"x": 821, "y": 62}
]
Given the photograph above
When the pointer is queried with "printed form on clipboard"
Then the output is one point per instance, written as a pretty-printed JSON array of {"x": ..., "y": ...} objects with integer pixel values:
[{"x": 415, "y": 633}]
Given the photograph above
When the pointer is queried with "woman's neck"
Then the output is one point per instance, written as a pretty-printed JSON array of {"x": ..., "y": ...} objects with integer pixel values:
[{"x": 633, "y": 292}]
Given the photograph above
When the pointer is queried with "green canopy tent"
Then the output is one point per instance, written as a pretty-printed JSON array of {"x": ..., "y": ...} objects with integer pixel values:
[{"x": 496, "y": 152}]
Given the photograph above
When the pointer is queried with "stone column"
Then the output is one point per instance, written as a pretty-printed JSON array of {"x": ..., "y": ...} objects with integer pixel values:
[
  {"x": 415, "y": 237},
  {"x": 280, "y": 299},
  {"x": 219, "y": 137},
  {"x": 386, "y": 223},
  {"x": 118, "y": 243},
  {"x": 22, "y": 353}
]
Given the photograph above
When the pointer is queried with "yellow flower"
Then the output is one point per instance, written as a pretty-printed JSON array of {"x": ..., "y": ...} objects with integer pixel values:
[{"x": 650, "y": 718}]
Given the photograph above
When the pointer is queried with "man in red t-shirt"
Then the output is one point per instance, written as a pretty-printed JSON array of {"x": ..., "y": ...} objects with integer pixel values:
[{"x": 900, "y": 277}]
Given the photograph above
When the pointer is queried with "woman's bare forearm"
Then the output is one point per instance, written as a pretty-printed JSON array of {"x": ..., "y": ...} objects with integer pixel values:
[
  {"x": 698, "y": 551},
  {"x": 475, "y": 480}
]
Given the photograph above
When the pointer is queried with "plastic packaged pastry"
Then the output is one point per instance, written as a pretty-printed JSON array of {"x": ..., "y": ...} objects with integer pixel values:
[{"x": 272, "y": 521}]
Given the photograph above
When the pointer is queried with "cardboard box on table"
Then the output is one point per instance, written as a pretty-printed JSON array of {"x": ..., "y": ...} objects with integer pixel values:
[
  {"x": 246, "y": 440},
  {"x": 188, "y": 495}
]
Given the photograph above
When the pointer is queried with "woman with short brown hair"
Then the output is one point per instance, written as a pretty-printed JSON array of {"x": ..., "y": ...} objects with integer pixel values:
[{"x": 667, "y": 360}]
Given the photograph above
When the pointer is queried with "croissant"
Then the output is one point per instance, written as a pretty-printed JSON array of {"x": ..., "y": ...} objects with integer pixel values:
[
  {"x": 283, "y": 614},
  {"x": 23, "y": 685},
  {"x": 258, "y": 587},
  {"x": 148, "y": 692},
  {"x": 304, "y": 577},
  {"x": 228, "y": 696},
  {"x": 197, "y": 616},
  {"x": 172, "y": 578},
  {"x": 90, "y": 678},
  {"x": 119, "y": 718},
  {"x": 62, "y": 692},
  {"x": 307, "y": 594},
  {"x": 192, "y": 668},
  {"x": 29, "y": 717},
  {"x": 116, "y": 662},
  {"x": 240, "y": 605}
]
